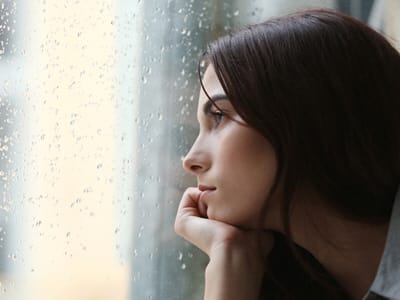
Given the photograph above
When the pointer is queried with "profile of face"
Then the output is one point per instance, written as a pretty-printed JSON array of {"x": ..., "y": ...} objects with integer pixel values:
[{"x": 234, "y": 164}]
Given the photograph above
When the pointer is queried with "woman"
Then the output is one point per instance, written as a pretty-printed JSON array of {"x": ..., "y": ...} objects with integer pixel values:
[{"x": 298, "y": 162}]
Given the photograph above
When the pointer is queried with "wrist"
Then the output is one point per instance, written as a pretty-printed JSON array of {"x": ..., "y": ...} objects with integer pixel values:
[{"x": 233, "y": 273}]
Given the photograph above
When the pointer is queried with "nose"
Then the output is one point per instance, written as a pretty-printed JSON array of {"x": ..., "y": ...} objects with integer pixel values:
[
  {"x": 196, "y": 160},
  {"x": 193, "y": 166}
]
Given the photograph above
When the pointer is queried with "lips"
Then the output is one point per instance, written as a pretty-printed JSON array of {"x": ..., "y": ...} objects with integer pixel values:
[{"x": 203, "y": 188}]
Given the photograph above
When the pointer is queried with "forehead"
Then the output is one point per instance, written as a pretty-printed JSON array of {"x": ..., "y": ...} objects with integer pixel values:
[{"x": 211, "y": 85}]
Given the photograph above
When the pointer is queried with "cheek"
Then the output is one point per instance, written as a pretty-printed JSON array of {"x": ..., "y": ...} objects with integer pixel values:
[
  {"x": 265, "y": 170},
  {"x": 249, "y": 157},
  {"x": 248, "y": 164}
]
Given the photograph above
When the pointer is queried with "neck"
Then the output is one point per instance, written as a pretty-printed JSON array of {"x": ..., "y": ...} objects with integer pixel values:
[{"x": 350, "y": 251}]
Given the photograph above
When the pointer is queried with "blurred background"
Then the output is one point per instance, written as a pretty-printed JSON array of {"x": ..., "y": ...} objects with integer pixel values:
[{"x": 97, "y": 109}]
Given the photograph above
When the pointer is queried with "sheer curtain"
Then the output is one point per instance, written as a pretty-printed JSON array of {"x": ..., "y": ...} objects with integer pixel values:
[{"x": 97, "y": 109}]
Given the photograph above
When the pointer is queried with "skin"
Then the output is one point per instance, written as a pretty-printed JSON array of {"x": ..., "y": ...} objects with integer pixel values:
[
  {"x": 235, "y": 168},
  {"x": 234, "y": 164}
]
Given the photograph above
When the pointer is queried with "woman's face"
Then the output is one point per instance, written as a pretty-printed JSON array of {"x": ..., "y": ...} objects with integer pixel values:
[{"x": 234, "y": 164}]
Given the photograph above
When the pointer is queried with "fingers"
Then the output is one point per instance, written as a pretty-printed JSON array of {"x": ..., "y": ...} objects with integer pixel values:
[
  {"x": 209, "y": 235},
  {"x": 189, "y": 223},
  {"x": 189, "y": 203}
]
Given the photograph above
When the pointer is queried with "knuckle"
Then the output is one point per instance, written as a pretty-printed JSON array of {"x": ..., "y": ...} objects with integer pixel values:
[{"x": 179, "y": 226}]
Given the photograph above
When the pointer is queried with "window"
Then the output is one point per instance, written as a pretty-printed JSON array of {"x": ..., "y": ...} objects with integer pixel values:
[{"x": 97, "y": 109}]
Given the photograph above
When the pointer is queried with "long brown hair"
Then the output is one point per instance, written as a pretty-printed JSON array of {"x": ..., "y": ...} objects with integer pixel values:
[{"x": 324, "y": 89}]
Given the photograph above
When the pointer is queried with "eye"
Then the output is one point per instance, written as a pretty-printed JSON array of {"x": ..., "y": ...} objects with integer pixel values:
[{"x": 217, "y": 116}]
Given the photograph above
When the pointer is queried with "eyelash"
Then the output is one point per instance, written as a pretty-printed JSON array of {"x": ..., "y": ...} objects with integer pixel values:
[{"x": 218, "y": 116}]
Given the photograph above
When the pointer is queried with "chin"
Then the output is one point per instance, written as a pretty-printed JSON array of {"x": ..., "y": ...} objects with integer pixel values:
[{"x": 243, "y": 224}]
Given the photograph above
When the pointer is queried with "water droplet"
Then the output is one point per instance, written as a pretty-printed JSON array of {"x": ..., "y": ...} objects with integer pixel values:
[
  {"x": 183, "y": 267},
  {"x": 87, "y": 190},
  {"x": 180, "y": 255}
]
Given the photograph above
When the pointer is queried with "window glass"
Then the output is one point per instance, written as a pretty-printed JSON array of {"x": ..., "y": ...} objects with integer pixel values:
[{"x": 98, "y": 104}]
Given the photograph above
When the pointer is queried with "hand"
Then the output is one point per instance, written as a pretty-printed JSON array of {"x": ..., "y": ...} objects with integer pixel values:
[{"x": 237, "y": 256}]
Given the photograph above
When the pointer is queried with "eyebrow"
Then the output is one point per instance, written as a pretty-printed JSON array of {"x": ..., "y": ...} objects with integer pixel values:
[{"x": 212, "y": 100}]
